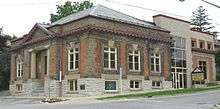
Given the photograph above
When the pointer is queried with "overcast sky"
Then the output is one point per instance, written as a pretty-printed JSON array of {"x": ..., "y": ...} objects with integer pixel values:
[{"x": 19, "y": 16}]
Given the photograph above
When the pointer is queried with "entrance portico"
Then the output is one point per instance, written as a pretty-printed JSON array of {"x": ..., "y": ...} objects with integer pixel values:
[{"x": 39, "y": 62}]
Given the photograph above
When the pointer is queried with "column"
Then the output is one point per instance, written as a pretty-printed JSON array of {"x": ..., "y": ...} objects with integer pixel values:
[
  {"x": 48, "y": 61},
  {"x": 33, "y": 65}
]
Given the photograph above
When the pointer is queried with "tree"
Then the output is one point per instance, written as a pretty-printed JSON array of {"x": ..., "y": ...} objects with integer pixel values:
[
  {"x": 200, "y": 20},
  {"x": 4, "y": 61},
  {"x": 69, "y": 8}
]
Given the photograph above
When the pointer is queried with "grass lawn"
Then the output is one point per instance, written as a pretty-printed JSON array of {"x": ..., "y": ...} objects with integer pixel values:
[{"x": 161, "y": 93}]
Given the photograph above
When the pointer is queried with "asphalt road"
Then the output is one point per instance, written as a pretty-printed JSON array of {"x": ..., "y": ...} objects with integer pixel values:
[{"x": 204, "y": 100}]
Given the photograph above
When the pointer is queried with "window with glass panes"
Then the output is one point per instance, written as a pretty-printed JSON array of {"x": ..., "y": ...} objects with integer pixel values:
[
  {"x": 209, "y": 46},
  {"x": 134, "y": 84},
  {"x": 19, "y": 87},
  {"x": 179, "y": 53},
  {"x": 110, "y": 58},
  {"x": 155, "y": 62},
  {"x": 110, "y": 85},
  {"x": 19, "y": 67},
  {"x": 202, "y": 66},
  {"x": 73, "y": 58},
  {"x": 156, "y": 84},
  {"x": 72, "y": 85},
  {"x": 134, "y": 60},
  {"x": 178, "y": 62}
]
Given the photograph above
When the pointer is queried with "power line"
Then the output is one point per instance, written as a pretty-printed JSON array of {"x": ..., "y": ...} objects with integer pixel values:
[
  {"x": 27, "y": 4},
  {"x": 135, "y": 6},
  {"x": 215, "y": 5},
  {"x": 167, "y": 13}
]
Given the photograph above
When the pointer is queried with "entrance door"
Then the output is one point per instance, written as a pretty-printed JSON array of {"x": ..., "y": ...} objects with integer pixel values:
[{"x": 179, "y": 80}]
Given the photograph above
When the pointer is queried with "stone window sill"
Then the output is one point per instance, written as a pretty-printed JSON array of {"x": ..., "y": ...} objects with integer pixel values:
[
  {"x": 18, "y": 92},
  {"x": 135, "y": 89},
  {"x": 154, "y": 87},
  {"x": 111, "y": 91},
  {"x": 72, "y": 92}
]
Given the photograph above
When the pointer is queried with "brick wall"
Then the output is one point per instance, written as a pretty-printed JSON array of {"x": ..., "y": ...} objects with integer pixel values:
[
  {"x": 83, "y": 56},
  {"x": 13, "y": 67},
  {"x": 210, "y": 64}
]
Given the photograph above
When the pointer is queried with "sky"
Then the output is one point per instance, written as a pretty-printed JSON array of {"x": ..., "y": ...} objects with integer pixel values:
[{"x": 19, "y": 16}]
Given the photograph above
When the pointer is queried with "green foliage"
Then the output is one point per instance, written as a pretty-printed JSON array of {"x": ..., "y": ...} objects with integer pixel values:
[
  {"x": 4, "y": 61},
  {"x": 69, "y": 8},
  {"x": 200, "y": 20},
  {"x": 161, "y": 93}
]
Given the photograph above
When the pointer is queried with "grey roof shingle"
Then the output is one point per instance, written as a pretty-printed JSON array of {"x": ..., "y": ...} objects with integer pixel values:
[{"x": 106, "y": 13}]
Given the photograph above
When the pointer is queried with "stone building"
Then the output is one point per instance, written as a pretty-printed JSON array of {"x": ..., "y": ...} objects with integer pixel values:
[
  {"x": 96, "y": 51},
  {"x": 191, "y": 49}
]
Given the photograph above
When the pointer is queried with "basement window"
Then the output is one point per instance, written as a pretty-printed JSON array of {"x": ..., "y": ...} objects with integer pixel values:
[
  {"x": 156, "y": 84},
  {"x": 135, "y": 85},
  {"x": 72, "y": 85},
  {"x": 111, "y": 86},
  {"x": 18, "y": 87}
]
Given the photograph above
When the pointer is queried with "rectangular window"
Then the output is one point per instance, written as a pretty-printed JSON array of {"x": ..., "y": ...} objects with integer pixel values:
[
  {"x": 110, "y": 85},
  {"x": 202, "y": 66},
  {"x": 135, "y": 84},
  {"x": 110, "y": 58},
  {"x": 19, "y": 67},
  {"x": 134, "y": 60},
  {"x": 209, "y": 47},
  {"x": 201, "y": 44},
  {"x": 73, "y": 58},
  {"x": 193, "y": 43},
  {"x": 155, "y": 62},
  {"x": 156, "y": 84},
  {"x": 45, "y": 65},
  {"x": 72, "y": 85},
  {"x": 19, "y": 87}
]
